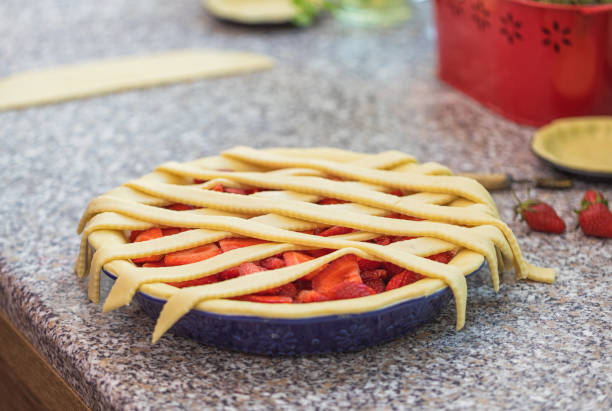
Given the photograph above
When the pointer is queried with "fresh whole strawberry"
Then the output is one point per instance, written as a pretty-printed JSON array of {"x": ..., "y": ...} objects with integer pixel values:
[
  {"x": 592, "y": 197},
  {"x": 540, "y": 216},
  {"x": 596, "y": 220}
]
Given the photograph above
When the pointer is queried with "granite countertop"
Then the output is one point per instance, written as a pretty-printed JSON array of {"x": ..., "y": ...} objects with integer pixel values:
[{"x": 528, "y": 346}]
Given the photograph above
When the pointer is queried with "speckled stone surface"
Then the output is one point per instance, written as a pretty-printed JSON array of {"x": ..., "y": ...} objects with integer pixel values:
[{"x": 530, "y": 346}]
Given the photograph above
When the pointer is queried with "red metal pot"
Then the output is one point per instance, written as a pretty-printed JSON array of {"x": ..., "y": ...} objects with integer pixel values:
[{"x": 531, "y": 62}]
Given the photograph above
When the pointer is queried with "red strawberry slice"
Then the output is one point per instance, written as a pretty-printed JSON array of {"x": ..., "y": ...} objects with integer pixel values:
[
  {"x": 331, "y": 201},
  {"x": 242, "y": 191},
  {"x": 198, "y": 181},
  {"x": 288, "y": 290},
  {"x": 303, "y": 284},
  {"x": 134, "y": 234},
  {"x": 269, "y": 291},
  {"x": 350, "y": 289},
  {"x": 170, "y": 231},
  {"x": 272, "y": 263},
  {"x": 228, "y": 244},
  {"x": 382, "y": 240},
  {"x": 150, "y": 234},
  {"x": 376, "y": 284},
  {"x": 335, "y": 230},
  {"x": 443, "y": 258},
  {"x": 379, "y": 274},
  {"x": 249, "y": 268},
  {"x": 338, "y": 271},
  {"x": 179, "y": 207},
  {"x": 398, "y": 193},
  {"x": 229, "y": 273},
  {"x": 319, "y": 253},
  {"x": 311, "y": 296},
  {"x": 392, "y": 268},
  {"x": 146, "y": 235},
  {"x": 149, "y": 259},
  {"x": 404, "y": 278},
  {"x": 218, "y": 187},
  {"x": 295, "y": 257},
  {"x": 155, "y": 264},
  {"x": 365, "y": 264},
  {"x": 270, "y": 299},
  {"x": 192, "y": 255},
  {"x": 198, "y": 281},
  {"x": 404, "y": 217}
]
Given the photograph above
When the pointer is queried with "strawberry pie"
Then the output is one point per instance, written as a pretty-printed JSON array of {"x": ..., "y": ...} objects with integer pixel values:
[{"x": 294, "y": 233}]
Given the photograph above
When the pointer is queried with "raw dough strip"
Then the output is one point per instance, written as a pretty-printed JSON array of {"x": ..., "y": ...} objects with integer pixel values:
[
  {"x": 56, "y": 84},
  {"x": 407, "y": 181},
  {"x": 429, "y": 168},
  {"x": 104, "y": 221}
]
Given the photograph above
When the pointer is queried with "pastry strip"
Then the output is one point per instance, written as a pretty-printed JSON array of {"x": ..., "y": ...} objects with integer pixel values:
[{"x": 88, "y": 79}]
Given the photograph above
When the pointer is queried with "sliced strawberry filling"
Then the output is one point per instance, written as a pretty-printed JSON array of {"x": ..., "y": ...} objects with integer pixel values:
[
  {"x": 331, "y": 201},
  {"x": 192, "y": 255},
  {"x": 150, "y": 234},
  {"x": 229, "y": 244},
  {"x": 346, "y": 277}
]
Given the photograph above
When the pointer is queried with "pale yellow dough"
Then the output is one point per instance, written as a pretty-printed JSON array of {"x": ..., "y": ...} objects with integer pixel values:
[
  {"x": 458, "y": 214},
  {"x": 581, "y": 143},
  {"x": 93, "y": 78},
  {"x": 252, "y": 11}
]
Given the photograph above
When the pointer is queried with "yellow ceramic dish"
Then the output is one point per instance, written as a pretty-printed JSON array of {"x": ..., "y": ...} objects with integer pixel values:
[{"x": 580, "y": 145}]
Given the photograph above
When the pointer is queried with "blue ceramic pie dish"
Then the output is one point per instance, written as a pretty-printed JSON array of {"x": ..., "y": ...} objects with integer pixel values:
[{"x": 278, "y": 336}]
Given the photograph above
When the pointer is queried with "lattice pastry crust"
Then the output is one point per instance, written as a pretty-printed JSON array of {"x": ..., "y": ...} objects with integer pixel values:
[{"x": 458, "y": 214}]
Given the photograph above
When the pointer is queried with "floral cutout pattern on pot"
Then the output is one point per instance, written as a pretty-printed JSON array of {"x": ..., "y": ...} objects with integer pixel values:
[
  {"x": 481, "y": 16},
  {"x": 510, "y": 28},
  {"x": 456, "y": 6},
  {"x": 556, "y": 37}
]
